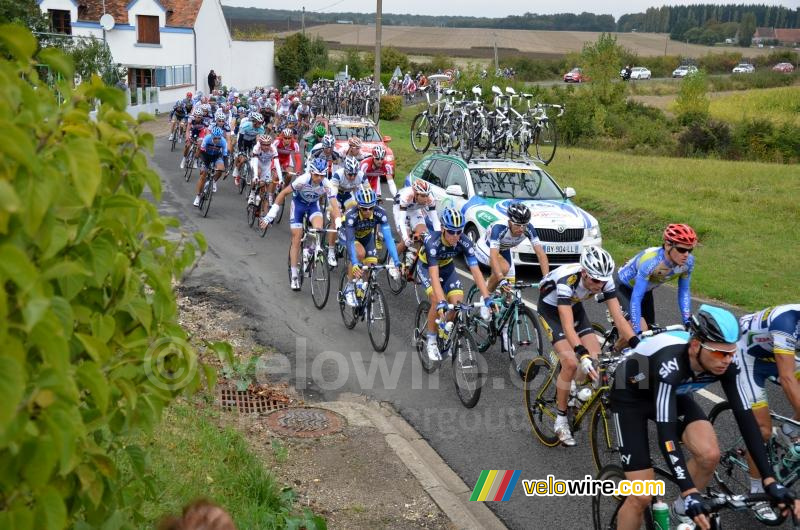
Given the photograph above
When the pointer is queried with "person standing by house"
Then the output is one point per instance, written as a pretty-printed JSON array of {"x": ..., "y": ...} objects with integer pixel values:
[{"x": 212, "y": 81}]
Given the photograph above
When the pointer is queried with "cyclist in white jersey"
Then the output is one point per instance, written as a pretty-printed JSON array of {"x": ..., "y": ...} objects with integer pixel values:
[
  {"x": 414, "y": 209},
  {"x": 344, "y": 184}
]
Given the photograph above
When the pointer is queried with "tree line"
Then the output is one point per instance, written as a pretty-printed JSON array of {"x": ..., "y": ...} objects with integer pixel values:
[{"x": 675, "y": 20}]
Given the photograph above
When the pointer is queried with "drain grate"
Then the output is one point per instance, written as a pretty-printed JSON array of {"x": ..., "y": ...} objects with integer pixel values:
[
  {"x": 305, "y": 422},
  {"x": 247, "y": 402}
]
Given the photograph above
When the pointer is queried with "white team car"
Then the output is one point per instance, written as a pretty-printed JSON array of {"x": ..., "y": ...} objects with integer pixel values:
[{"x": 483, "y": 189}]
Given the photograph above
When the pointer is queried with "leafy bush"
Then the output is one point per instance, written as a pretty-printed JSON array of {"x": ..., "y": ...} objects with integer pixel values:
[
  {"x": 528, "y": 69},
  {"x": 391, "y": 58},
  {"x": 703, "y": 138},
  {"x": 391, "y": 106},
  {"x": 318, "y": 73},
  {"x": 691, "y": 105},
  {"x": 92, "y": 350}
]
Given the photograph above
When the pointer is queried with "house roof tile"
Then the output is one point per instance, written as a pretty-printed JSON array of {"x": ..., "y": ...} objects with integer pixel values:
[{"x": 180, "y": 13}]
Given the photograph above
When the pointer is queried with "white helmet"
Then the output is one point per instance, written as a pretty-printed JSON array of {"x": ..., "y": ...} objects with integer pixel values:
[{"x": 597, "y": 263}]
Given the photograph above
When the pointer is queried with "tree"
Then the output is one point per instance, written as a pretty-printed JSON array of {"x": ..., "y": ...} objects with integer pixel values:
[
  {"x": 747, "y": 28},
  {"x": 293, "y": 58},
  {"x": 24, "y": 12},
  {"x": 601, "y": 64},
  {"x": 92, "y": 350},
  {"x": 318, "y": 51},
  {"x": 391, "y": 58},
  {"x": 692, "y": 103},
  {"x": 93, "y": 56},
  {"x": 355, "y": 66}
]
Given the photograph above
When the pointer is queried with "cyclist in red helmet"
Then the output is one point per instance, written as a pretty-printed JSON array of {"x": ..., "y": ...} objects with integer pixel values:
[
  {"x": 377, "y": 166},
  {"x": 654, "y": 266}
]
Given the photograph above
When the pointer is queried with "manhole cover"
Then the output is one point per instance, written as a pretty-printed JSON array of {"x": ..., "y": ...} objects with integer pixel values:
[
  {"x": 247, "y": 402},
  {"x": 304, "y": 422}
]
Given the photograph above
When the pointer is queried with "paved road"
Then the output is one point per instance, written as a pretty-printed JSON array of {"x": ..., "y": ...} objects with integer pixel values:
[{"x": 324, "y": 359}]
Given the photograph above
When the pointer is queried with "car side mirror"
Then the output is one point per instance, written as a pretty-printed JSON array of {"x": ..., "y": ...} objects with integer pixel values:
[
  {"x": 455, "y": 190},
  {"x": 387, "y": 139},
  {"x": 569, "y": 192}
]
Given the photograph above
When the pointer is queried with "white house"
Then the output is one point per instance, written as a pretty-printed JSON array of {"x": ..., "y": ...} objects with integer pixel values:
[{"x": 171, "y": 44}]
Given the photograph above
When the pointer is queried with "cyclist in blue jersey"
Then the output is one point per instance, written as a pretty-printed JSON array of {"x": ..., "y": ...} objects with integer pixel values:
[
  {"x": 656, "y": 382},
  {"x": 358, "y": 237},
  {"x": 652, "y": 267},
  {"x": 768, "y": 349},
  {"x": 213, "y": 151},
  {"x": 437, "y": 271}
]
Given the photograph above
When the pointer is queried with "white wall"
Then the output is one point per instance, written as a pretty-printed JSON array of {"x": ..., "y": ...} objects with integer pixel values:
[{"x": 258, "y": 69}]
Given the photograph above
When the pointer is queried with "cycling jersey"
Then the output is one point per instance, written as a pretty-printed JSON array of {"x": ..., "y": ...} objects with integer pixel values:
[
  {"x": 651, "y": 382},
  {"x": 344, "y": 188},
  {"x": 499, "y": 237},
  {"x": 288, "y": 152},
  {"x": 361, "y": 229},
  {"x": 181, "y": 109},
  {"x": 214, "y": 150},
  {"x": 374, "y": 174},
  {"x": 649, "y": 269},
  {"x": 305, "y": 191},
  {"x": 563, "y": 286},
  {"x": 303, "y": 112},
  {"x": 435, "y": 251},
  {"x": 195, "y": 128},
  {"x": 766, "y": 334},
  {"x": 265, "y": 160},
  {"x": 408, "y": 213},
  {"x": 249, "y": 132}
]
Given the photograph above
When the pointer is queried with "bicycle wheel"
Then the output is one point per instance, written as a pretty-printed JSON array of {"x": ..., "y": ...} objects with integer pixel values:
[
  {"x": 603, "y": 436},
  {"x": 252, "y": 214},
  {"x": 525, "y": 339},
  {"x": 732, "y": 473},
  {"x": 205, "y": 200},
  {"x": 174, "y": 140},
  {"x": 469, "y": 370},
  {"x": 540, "y": 399},
  {"x": 546, "y": 141},
  {"x": 420, "y": 337},
  {"x": 420, "y": 140},
  {"x": 466, "y": 143},
  {"x": 605, "y": 508},
  {"x": 446, "y": 134},
  {"x": 320, "y": 280},
  {"x": 348, "y": 312},
  {"x": 378, "y": 319},
  {"x": 397, "y": 286},
  {"x": 481, "y": 329},
  {"x": 187, "y": 170},
  {"x": 244, "y": 177}
]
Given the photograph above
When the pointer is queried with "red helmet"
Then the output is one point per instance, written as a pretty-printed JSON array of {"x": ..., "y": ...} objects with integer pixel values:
[
  {"x": 679, "y": 233},
  {"x": 188, "y": 94}
]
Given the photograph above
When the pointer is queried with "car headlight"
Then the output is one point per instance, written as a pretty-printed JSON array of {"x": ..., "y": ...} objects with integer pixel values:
[{"x": 594, "y": 232}]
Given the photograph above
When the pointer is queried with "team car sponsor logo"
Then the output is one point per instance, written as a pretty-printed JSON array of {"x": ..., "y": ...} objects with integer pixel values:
[{"x": 485, "y": 218}]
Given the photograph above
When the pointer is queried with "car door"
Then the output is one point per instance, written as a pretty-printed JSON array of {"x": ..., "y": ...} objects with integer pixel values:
[
  {"x": 456, "y": 175},
  {"x": 436, "y": 175}
]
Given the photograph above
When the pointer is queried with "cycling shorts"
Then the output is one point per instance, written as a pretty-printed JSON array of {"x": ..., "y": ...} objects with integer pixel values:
[
  {"x": 368, "y": 242},
  {"x": 414, "y": 218},
  {"x": 246, "y": 146},
  {"x": 346, "y": 200},
  {"x": 630, "y": 422},
  {"x": 753, "y": 373},
  {"x": 302, "y": 209},
  {"x": 624, "y": 295},
  {"x": 552, "y": 322},
  {"x": 212, "y": 161},
  {"x": 448, "y": 277},
  {"x": 483, "y": 259}
]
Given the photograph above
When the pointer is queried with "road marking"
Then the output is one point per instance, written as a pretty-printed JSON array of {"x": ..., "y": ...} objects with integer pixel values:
[{"x": 702, "y": 392}]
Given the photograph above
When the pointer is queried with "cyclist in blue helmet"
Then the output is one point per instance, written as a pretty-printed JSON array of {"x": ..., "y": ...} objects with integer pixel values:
[
  {"x": 308, "y": 189},
  {"x": 656, "y": 381},
  {"x": 213, "y": 151},
  {"x": 437, "y": 271}
]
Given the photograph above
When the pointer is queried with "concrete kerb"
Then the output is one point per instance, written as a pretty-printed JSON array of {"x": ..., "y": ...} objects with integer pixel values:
[{"x": 443, "y": 485}]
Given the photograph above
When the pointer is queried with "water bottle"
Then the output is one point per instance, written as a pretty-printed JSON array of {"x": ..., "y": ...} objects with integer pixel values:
[
  {"x": 585, "y": 394},
  {"x": 661, "y": 515},
  {"x": 790, "y": 439},
  {"x": 360, "y": 288},
  {"x": 306, "y": 257},
  {"x": 444, "y": 329},
  {"x": 685, "y": 526}
]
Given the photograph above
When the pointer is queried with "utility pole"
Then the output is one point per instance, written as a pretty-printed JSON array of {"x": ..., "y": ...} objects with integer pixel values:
[
  {"x": 496, "y": 63},
  {"x": 377, "y": 72},
  {"x": 303, "y": 20}
]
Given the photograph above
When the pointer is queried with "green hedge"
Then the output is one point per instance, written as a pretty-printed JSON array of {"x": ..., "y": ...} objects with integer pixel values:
[{"x": 391, "y": 107}]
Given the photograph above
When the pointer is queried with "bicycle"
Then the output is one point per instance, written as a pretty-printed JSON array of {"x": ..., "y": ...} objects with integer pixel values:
[
  {"x": 207, "y": 193},
  {"x": 180, "y": 132},
  {"x": 520, "y": 323},
  {"x": 191, "y": 158},
  {"x": 469, "y": 367},
  {"x": 313, "y": 264},
  {"x": 545, "y": 134},
  {"x": 732, "y": 473},
  {"x": 371, "y": 306},
  {"x": 605, "y": 508}
]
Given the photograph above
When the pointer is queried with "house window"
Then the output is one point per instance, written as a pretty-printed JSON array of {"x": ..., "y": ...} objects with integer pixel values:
[
  {"x": 174, "y": 75},
  {"x": 140, "y": 77},
  {"x": 148, "y": 29},
  {"x": 60, "y": 21}
]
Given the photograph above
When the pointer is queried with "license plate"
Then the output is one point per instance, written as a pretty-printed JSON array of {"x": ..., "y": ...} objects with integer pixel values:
[{"x": 561, "y": 248}]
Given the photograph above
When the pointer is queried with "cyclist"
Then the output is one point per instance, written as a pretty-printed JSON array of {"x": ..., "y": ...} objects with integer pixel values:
[
  {"x": 561, "y": 297},
  {"x": 438, "y": 274},
  {"x": 304, "y": 115},
  {"x": 652, "y": 267},
  {"x": 213, "y": 151},
  {"x": 358, "y": 237},
  {"x": 180, "y": 113},
  {"x": 494, "y": 251},
  {"x": 375, "y": 167},
  {"x": 768, "y": 348},
  {"x": 248, "y": 133},
  {"x": 308, "y": 188},
  {"x": 346, "y": 180},
  {"x": 221, "y": 121},
  {"x": 288, "y": 152},
  {"x": 656, "y": 381},
  {"x": 353, "y": 148},
  {"x": 313, "y": 138},
  {"x": 193, "y": 131},
  {"x": 266, "y": 169},
  {"x": 325, "y": 149},
  {"x": 414, "y": 208}
]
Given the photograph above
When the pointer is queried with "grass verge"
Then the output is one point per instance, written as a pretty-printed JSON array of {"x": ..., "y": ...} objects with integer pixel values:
[
  {"x": 778, "y": 105},
  {"x": 746, "y": 213},
  {"x": 192, "y": 456}
]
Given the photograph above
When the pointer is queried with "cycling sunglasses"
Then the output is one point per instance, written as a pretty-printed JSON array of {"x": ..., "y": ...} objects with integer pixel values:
[
  {"x": 366, "y": 208},
  {"x": 454, "y": 232},
  {"x": 719, "y": 354},
  {"x": 683, "y": 250}
]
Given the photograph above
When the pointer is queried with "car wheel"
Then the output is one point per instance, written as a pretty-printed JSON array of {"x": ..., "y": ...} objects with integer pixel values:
[{"x": 472, "y": 233}]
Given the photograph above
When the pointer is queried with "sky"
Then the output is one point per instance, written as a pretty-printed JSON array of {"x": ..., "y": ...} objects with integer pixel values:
[{"x": 482, "y": 8}]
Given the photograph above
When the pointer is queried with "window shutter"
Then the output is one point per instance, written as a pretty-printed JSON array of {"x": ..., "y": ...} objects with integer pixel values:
[{"x": 148, "y": 29}]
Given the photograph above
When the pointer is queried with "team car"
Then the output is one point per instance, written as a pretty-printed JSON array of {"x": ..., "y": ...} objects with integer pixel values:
[
  {"x": 342, "y": 128},
  {"x": 484, "y": 188}
]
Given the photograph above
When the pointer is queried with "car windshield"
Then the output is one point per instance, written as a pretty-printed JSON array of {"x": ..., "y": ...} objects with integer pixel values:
[
  {"x": 575, "y": 71},
  {"x": 514, "y": 183},
  {"x": 343, "y": 131}
]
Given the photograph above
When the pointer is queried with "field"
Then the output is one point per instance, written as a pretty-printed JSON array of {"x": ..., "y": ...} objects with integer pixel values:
[
  {"x": 479, "y": 42},
  {"x": 746, "y": 214},
  {"x": 779, "y": 105}
]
